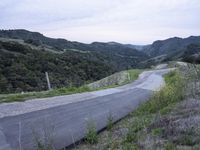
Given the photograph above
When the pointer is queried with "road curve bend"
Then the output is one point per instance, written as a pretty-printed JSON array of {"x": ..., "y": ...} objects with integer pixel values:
[{"x": 63, "y": 120}]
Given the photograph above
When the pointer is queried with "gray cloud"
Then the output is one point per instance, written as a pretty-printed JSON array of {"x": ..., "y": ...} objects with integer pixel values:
[{"x": 128, "y": 21}]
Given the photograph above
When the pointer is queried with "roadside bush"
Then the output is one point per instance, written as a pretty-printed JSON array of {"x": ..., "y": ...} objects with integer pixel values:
[
  {"x": 41, "y": 146},
  {"x": 91, "y": 135},
  {"x": 170, "y": 146},
  {"x": 171, "y": 93},
  {"x": 110, "y": 122}
]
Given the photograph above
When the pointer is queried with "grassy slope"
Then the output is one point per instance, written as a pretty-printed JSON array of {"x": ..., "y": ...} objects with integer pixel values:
[
  {"x": 164, "y": 122},
  {"x": 133, "y": 75},
  {"x": 117, "y": 79}
]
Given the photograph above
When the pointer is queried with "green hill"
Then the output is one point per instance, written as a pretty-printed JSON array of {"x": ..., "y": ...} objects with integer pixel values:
[{"x": 26, "y": 56}]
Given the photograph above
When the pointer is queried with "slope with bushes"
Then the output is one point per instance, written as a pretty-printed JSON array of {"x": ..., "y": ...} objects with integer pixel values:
[
  {"x": 25, "y": 57},
  {"x": 116, "y": 79},
  {"x": 23, "y": 68},
  {"x": 169, "y": 120}
]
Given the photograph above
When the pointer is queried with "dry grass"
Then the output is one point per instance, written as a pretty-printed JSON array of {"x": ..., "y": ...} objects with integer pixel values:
[
  {"x": 174, "y": 125},
  {"x": 181, "y": 126}
]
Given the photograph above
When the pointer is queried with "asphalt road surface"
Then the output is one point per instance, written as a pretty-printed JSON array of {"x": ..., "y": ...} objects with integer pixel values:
[{"x": 63, "y": 120}]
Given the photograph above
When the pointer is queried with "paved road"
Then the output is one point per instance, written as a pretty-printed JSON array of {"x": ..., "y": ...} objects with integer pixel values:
[{"x": 64, "y": 119}]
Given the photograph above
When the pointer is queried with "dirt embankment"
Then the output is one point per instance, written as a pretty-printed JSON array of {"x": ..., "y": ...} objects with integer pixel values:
[{"x": 113, "y": 80}]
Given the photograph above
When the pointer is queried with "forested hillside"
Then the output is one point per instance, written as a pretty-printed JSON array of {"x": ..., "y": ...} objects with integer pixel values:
[
  {"x": 192, "y": 54},
  {"x": 25, "y": 57},
  {"x": 172, "y": 49},
  {"x": 23, "y": 68},
  {"x": 170, "y": 46}
]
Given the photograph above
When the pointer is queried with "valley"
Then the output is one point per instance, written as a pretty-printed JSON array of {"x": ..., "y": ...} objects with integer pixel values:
[
  {"x": 103, "y": 96},
  {"x": 25, "y": 57}
]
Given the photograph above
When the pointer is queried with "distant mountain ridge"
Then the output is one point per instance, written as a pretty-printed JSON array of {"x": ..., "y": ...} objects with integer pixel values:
[
  {"x": 25, "y": 56},
  {"x": 62, "y": 44},
  {"x": 170, "y": 45},
  {"x": 182, "y": 49},
  {"x": 56, "y": 42},
  {"x": 165, "y": 48},
  {"x": 120, "y": 54},
  {"x": 157, "y": 48},
  {"x": 36, "y": 36}
]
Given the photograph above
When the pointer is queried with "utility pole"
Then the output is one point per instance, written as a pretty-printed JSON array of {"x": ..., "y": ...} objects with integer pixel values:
[{"x": 48, "y": 82}]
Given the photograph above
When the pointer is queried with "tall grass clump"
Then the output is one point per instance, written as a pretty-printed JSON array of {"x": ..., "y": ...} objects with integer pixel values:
[
  {"x": 110, "y": 122},
  {"x": 173, "y": 92},
  {"x": 41, "y": 146},
  {"x": 134, "y": 74},
  {"x": 91, "y": 135},
  {"x": 44, "y": 144},
  {"x": 43, "y": 94}
]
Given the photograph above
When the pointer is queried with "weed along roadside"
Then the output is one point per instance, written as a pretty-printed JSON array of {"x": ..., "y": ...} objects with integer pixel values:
[
  {"x": 163, "y": 122},
  {"x": 100, "y": 75},
  {"x": 118, "y": 79},
  {"x": 66, "y": 115}
]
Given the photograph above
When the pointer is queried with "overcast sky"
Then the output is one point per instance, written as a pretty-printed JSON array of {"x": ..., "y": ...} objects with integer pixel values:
[{"x": 126, "y": 21}]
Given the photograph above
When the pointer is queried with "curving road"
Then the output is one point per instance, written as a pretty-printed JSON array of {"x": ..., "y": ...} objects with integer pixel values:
[{"x": 63, "y": 120}]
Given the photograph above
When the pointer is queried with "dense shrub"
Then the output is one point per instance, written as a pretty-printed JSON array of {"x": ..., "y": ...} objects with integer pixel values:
[
  {"x": 171, "y": 93},
  {"x": 23, "y": 68}
]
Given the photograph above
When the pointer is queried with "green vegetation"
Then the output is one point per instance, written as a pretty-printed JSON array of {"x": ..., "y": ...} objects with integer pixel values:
[
  {"x": 32, "y": 95},
  {"x": 23, "y": 68},
  {"x": 91, "y": 135},
  {"x": 170, "y": 146},
  {"x": 110, "y": 122},
  {"x": 157, "y": 131},
  {"x": 192, "y": 54},
  {"x": 26, "y": 57},
  {"x": 174, "y": 49},
  {"x": 198, "y": 66},
  {"x": 154, "y": 124},
  {"x": 71, "y": 65},
  {"x": 44, "y": 143},
  {"x": 117, "y": 79},
  {"x": 173, "y": 92},
  {"x": 133, "y": 75},
  {"x": 41, "y": 146}
]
